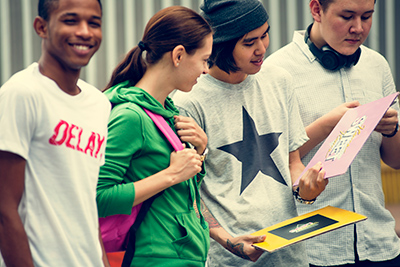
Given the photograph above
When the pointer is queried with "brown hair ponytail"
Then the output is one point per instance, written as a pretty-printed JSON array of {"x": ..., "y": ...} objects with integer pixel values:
[{"x": 168, "y": 28}]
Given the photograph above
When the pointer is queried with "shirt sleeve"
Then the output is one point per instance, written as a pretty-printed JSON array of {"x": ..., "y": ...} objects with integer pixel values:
[
  {"x": 125, "y": 139},
  {"x": 389, "y": 86},
  {"x": 17, "y": 118},
  {"x": 297, "y": 132}
]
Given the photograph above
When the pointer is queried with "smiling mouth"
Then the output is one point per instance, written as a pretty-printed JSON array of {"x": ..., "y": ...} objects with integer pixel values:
[
  {"x": 258, "y": 61},
  {"x": 82, "y": 47}
]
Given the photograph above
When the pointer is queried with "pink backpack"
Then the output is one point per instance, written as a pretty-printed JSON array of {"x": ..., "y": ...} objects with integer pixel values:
[{"x": 115, "y": 229}]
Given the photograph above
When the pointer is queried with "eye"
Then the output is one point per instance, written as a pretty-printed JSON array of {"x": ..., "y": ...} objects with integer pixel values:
[
  {"x": 346, "y": 18},
  {"x": 95, "y": 24},
  {"x": 366, "y": 18},
  {"x": 69, "y": 21}
]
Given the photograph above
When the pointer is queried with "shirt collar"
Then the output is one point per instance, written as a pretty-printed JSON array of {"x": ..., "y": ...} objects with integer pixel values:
[{"x": 298, "y": 39}]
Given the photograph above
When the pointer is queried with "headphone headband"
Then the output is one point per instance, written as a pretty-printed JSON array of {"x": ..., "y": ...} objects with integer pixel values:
[{"x": 328, "y": 57}]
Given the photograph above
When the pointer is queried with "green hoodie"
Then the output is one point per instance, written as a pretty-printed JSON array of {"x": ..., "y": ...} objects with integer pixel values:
[{"x": 171, "y": 234}]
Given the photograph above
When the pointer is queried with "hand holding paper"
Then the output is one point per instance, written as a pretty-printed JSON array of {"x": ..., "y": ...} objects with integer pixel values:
[
  {"x": 312, "y": 182},
  {"x": 388, "y": 123},
  {"x": 242, "y": 246},
  {"x": 306, "y": 226},
  {"x": 346, "y": 139}
]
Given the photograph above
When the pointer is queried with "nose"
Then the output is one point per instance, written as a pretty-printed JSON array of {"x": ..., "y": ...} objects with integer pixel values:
[
  {"x": 83, "y": 30},
  {"x": 356, "y": 26},
  {"x": 262, "y": 46}
]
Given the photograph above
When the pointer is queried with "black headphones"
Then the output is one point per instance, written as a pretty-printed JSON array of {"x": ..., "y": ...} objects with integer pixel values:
[{"x": 329, "y": 58}]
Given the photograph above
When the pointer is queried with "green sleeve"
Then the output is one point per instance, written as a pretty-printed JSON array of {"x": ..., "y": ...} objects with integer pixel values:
[{"x": 116, "y": 193}]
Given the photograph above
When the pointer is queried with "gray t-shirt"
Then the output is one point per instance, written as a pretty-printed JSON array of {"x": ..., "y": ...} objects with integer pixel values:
[{"x": 251, "y": 127}]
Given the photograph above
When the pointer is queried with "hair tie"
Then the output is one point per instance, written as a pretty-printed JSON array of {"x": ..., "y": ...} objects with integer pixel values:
[{"x": 142, "y": 46}]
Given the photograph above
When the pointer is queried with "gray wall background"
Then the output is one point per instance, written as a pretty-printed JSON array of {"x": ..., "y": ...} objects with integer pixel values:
[{"x": 124, "y": 21}]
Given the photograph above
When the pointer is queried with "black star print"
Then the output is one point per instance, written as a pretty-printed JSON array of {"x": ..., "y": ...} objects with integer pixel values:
[{"x": 255, "y": 153}]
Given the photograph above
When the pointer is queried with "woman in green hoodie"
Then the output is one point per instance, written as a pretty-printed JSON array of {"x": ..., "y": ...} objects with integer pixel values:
[{"x": 139, "y": 161}]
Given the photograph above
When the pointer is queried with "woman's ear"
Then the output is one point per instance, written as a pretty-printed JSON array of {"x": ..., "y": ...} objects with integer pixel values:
[
  {"x": 40, "y": 26},
  {"x": 177, "y": 54},
  {"x": 316, "y": 10}
]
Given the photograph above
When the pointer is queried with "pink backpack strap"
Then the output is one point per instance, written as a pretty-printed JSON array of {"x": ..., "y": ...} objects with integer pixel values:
[
  {"x": 165, "y": 129},
  {"x": 176, "y": 143}
]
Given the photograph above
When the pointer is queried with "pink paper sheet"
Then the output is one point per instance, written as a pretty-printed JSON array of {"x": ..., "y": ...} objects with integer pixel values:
[{"x": 346, "y": 139}]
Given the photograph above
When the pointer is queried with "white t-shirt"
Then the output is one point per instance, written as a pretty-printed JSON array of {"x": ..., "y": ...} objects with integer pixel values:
[{"x": 63, "y": 140}]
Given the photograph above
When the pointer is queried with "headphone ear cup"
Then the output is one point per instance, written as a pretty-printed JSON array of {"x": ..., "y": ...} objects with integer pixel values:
[{"x": 330, "y": 59}]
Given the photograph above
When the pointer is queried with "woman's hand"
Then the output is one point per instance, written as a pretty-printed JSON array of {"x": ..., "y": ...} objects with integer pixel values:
[
  {"x": 184, "y": 164},
  {"x": 189, "y": 131}
]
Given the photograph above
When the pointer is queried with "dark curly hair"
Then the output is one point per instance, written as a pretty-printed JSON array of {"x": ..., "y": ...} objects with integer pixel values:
[{"x": 46, "y": 7}]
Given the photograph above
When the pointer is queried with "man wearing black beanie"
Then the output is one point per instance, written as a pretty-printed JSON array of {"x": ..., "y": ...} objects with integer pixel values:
[{"x": 253, "y": 126}]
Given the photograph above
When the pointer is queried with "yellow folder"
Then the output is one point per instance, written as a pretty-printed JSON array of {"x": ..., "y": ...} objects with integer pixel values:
[{"x": 306, "y": 226}]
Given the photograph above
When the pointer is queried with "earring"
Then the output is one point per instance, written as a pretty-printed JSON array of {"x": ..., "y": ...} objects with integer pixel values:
[{"x": 177, "y": 64}]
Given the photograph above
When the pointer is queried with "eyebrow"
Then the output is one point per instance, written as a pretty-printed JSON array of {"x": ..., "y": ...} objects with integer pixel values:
[
  {"x": 351, "y": 11},
  {"x": 72, "y": 14},
  {"x": 248, "y": 40}
]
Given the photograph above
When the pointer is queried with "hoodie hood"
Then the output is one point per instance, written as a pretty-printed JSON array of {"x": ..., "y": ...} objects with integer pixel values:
[{"x": 124, "y": 93}]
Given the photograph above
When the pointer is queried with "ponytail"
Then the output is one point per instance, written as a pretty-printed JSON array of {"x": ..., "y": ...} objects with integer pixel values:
[{"x": 131, "y": 68}]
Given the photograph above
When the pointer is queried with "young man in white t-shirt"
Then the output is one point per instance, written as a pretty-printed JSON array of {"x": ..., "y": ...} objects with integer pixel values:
[{"x": 52, "y": 141}]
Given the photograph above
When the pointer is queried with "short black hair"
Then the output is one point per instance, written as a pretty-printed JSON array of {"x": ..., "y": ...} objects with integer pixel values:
[
  {"x": 222, "y": 56},
  {"x": 325, "y": 3},
  {"x": 46, "y": 7}
]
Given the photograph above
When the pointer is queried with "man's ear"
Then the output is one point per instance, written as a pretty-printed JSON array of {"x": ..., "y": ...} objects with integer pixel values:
[
  {"x": 40, "y": 26},
  {"x": 316, "y": 10},
  {"x": 177, "y": 54}
]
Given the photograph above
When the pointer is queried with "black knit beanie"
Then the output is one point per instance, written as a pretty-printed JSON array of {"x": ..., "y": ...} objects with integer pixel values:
[{"x": 233, "y": 18}]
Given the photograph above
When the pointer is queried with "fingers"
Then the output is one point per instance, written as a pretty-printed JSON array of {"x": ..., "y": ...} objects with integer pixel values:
[
  {"x": 320, "y": 172},
  {"x": 254, "y": 253},
  {"x": 182, "y": 122},
  {"x": 188, "y": 156},
  {"x": 391, "y": 112},
  {"x": 242, "y": 246},
  {"x": 251, "y": 239},
  {"x": 316, "y": 172},
  {"x": 184, "y": 164},
  {"x": 191, "y": 154},
  {"x": 388, "y": 123},
  {"x": 189, "y": 131},
  {"x": 313, "y": 182},
  {"x": 259, "y": 238}
]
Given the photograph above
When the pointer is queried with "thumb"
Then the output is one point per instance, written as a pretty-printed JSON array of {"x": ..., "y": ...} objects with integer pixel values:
[
  {"x": 353, "y": 104},
  {"x": 258, "y": 239}
]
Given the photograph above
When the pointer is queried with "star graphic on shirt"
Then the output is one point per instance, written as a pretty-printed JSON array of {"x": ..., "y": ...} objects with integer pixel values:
[{"x": 255, "y": 153}]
